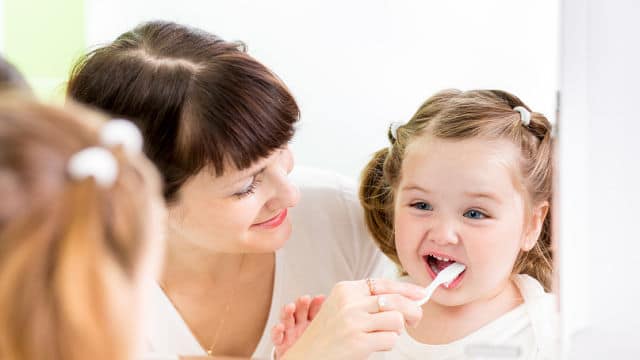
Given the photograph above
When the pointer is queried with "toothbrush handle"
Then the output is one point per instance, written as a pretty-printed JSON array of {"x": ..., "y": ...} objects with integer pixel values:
[{"x": 429, "y": 291}]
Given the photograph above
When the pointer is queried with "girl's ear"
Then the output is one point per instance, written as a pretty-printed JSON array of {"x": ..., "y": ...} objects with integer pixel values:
[{"x": 534, "y": 227}]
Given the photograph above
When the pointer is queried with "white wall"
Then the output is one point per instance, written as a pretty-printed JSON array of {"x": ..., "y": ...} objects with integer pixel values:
[
  {"x": 600, "y": 123},
  {"x": 355, "y": 66},
  {"x": 573, "y": 180}
]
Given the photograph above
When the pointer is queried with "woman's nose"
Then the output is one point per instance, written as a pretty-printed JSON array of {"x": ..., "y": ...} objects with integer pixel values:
[
  {"x": 287, "y": 159},
  {"x": 287, "y": 193}
]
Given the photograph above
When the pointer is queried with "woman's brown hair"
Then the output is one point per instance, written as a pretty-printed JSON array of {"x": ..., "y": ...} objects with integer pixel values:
[
  {"x": 200, "y": 101},
  {"x": 452, "y": 114},
  {"x": 70, "y": 250}
]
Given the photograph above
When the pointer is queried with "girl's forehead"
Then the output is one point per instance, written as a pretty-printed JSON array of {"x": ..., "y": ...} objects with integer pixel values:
[
  {"x": 474, "y": 149},
  {"x": 475, "y": 161}
]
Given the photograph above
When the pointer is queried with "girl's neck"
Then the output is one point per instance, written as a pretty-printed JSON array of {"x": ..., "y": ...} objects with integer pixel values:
[
  {"x": 444, "y": 324},
  {"x": 195, "y": 269}
]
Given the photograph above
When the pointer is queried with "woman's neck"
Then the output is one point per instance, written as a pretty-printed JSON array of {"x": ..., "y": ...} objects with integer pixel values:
[
  {"x": 197, "y": 270},
  {"x": 444, "y": 324}
]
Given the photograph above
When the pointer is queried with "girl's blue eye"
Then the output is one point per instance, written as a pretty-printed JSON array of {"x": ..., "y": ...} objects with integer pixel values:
[
  {"x": 474, "y": 214},
  {"x": 421, "y": 205}
]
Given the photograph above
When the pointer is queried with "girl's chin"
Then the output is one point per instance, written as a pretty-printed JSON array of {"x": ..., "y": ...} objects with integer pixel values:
[{"x": 448, "y": 301}]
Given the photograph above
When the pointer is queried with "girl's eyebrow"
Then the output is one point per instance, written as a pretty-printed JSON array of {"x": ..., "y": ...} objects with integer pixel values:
[
  {"x": 414, "y": 187},
  {"x": 484, "y": 195},
  {"x": 472, "y": 194}
]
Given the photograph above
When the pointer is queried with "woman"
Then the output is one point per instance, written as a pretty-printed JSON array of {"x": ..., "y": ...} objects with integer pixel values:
[
  {"x": 79, "y": 240},
  {"x": 241, "y": 243}
]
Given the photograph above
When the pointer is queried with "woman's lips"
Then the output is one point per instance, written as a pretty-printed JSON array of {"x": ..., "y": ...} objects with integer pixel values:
[{"x": 274, "y": 222}]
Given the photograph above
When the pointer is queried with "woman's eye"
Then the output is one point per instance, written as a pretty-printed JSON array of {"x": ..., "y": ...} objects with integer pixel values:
[
  {"x": 421, "y": 205},
  {"x": 249, "y": 189},
  {"x": 474, "y": 214}
]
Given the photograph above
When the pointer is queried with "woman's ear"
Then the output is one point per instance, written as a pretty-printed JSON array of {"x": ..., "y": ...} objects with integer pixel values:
[{"x": 536, "y": 220}]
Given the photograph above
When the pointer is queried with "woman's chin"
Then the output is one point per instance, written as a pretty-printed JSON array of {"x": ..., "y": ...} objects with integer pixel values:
[{"x": 271, "y": 240}]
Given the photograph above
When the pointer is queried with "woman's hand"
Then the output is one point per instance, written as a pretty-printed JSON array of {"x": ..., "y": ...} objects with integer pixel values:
[{"x": 359, "y": 318}]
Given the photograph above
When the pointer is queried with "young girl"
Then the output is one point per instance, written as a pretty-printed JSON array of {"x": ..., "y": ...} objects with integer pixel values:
[
  {"x": 469, "y": 179},
  {"x": 80, "y": 216}
]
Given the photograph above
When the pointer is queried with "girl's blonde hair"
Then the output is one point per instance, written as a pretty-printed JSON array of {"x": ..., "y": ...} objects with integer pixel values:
[
  {"x": 452, "y": 114},
  {"x": 69, "y": 249}
]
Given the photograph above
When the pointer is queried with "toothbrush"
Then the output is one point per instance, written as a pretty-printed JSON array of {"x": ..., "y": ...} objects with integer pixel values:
[{"x": 446, "y": 276}]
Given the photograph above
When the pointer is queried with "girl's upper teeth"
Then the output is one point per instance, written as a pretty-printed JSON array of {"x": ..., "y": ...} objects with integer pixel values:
[{"x": 441, "y": 258}]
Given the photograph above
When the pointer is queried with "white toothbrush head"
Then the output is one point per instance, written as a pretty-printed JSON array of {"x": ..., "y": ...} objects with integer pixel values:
[{"x": 446, "y": 276}]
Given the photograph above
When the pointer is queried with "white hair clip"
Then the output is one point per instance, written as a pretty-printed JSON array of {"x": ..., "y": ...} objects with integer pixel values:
[
  {"x": 393, "y": 128},
  {"x": 525, "y": 115},
  {"x": 121, "y": 132},
  {"x": 100, "y": 163},
  {"x": 96, "y": 162}
]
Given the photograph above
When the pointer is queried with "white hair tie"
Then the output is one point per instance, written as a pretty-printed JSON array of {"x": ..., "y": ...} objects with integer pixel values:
[
  {"x": 393, "y": 128},
  {"x": 525, "y": 115},
  {"x": 100, "y": 163},
  {"x": 121, "y": 132},
  {"x": 96, "y": 162}
]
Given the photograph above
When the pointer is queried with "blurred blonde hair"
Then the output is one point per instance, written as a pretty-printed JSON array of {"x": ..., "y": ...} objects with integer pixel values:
[
  {"x": 452, "y": 114},
  {"x": 69, "y": 250}
]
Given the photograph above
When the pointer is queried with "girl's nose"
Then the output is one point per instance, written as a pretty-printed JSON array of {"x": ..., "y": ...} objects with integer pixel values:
[{"x": 443, "y": 232}]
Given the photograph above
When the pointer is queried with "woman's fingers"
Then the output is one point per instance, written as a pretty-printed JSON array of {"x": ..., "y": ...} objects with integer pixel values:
[
  {"x": 385, "y": 321},
  {"x": 353, "y": 324},
  {"x": 381, "y": 340},
  {"x": 411, "y": 312},
  {"x": 386, "y": 286}
]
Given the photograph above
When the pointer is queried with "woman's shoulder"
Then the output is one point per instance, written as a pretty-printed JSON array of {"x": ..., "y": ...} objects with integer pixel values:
[
  {"x": 318, "y": 182},
  {"x": 328, "y": 225},
  {"x": 326, "y": 198}
]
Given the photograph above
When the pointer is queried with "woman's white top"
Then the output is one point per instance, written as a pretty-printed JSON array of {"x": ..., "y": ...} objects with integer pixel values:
[
  {"x": 527, "y": 332},
  {"x": 329, "y": 243}
]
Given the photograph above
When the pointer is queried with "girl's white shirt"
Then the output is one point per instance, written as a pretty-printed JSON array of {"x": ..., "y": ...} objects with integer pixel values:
[{"x": 530, "y": 331}]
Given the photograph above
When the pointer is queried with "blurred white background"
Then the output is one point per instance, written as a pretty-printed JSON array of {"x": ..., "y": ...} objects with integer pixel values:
[{"x": 355, "y": 66}]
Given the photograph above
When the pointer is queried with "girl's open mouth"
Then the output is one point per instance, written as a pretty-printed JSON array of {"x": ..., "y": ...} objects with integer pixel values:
[{"x": 436, "y": 263}]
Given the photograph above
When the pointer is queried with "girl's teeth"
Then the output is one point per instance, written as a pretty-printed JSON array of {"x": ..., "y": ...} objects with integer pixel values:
[{"x": 441, "y": 258}]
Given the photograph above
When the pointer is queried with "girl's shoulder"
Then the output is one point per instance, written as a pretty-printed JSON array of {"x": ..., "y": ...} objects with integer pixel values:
[
  {"x": 531, "y": 289},
  {"x": 542, "y": 309}
]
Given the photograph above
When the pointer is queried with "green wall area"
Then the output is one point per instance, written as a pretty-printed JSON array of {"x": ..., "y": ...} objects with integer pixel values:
[{"x": 43, "y": 38}]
